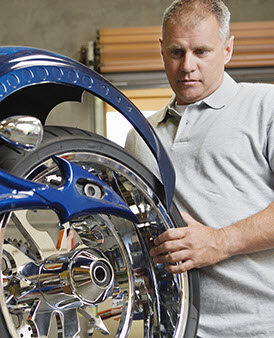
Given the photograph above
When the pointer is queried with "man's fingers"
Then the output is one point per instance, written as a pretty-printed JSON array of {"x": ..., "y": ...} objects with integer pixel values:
[
  {"x": 172, "y": 257},
  {"x": 180, "y": 268},
  {"x": 168, "y": 246},
  {"x": 169, "y": 235}
]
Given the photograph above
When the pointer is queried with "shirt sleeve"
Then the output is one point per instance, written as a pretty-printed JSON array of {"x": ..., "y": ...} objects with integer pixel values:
[
  {"x": 270, "y": 144},
  {"x": 130, "y": 141}
]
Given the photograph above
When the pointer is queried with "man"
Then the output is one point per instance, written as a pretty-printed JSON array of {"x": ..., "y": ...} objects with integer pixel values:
[{"x": 220, "y": 138}]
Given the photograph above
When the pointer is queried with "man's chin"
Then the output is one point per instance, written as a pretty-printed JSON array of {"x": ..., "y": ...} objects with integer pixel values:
[{"x": 184, "y": 100}]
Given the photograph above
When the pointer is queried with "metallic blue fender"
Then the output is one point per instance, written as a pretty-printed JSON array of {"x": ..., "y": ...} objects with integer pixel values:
[{"x": 24, "y": 69}]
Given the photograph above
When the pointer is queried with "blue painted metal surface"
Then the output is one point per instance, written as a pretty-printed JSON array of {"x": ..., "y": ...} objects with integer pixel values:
[
  {"x": 67, "y": 201},
  {"x": 22, "y": 67}
]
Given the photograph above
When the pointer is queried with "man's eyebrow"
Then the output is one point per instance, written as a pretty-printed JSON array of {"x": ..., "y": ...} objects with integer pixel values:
[
  {"x": 175, "y": 46},
  {"x": 203, "y": 47}
]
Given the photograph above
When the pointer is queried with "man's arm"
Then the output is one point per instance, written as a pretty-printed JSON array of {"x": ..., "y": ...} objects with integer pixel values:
[{"x": 197, "y": 245}]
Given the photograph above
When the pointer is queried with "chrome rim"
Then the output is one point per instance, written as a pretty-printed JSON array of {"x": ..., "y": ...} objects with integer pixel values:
[{"x": 92, "y": 276}]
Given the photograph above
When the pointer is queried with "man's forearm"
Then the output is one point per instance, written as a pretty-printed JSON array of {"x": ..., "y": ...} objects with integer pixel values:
[{"x": 255, "y": 233}]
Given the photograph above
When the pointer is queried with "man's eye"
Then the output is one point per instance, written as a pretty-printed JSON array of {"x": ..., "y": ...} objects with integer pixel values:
[
  {"x": 201, "y": 51},
  {"x": 177, "y": 52}
]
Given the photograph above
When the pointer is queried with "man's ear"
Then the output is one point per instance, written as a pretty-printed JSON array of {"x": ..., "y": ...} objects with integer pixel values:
[
  {"x": 161, "y": 48},
  {"x": 229, "y": 49}
]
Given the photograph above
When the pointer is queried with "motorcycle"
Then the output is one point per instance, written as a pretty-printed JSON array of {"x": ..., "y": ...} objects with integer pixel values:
[{"x": 79, "y": 215}]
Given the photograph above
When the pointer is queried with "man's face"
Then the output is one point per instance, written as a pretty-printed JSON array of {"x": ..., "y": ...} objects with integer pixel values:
[{"x": 194, "y": 58}]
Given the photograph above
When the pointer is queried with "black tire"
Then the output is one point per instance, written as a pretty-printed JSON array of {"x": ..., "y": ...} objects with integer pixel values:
[{"x": 63, "y": 140}]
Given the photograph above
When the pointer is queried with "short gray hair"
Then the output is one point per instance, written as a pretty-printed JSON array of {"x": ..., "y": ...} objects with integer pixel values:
[{"x": 175, "y": 12}]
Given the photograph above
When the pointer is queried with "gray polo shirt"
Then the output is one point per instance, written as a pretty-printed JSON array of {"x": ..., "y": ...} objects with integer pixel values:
[{"x": 222, "y": 149}]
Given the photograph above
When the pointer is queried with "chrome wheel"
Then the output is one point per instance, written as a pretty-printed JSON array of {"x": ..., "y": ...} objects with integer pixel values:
[{"x": 92, "y": 276}]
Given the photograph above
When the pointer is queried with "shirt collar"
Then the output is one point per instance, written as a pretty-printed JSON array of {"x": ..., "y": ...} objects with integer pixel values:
[
  {"x": 169, "y": 108},
  {"x": 222, "y": 95}
]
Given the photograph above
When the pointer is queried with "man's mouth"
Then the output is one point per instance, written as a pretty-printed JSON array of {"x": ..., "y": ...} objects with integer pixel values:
[{"x": 189, "y": 82}]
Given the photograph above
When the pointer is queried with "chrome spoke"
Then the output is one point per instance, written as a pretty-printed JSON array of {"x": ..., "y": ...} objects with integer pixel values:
[
  {"x": 95, "y": 322},
  {"x": 70, "y": 323},
  {"x": 21, "y": 235},
  {"x": 43, "y": 322}
]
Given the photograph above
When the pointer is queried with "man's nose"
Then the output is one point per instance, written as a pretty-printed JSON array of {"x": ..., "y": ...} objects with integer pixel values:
[{"x": 188, "y": 63}]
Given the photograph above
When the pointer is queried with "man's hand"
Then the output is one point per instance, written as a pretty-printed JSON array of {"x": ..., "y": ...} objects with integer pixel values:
[{"x": 195, "y": 246}]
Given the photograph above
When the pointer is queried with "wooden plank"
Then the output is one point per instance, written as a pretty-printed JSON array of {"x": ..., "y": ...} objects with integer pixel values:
[{"x": 251, "y": 25}]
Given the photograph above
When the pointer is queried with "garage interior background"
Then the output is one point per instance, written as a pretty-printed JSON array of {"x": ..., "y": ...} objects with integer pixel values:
[{"x": 67, "y": 26}]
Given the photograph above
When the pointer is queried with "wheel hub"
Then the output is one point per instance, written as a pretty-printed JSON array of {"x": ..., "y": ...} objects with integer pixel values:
[
  {"x": 83, "y": 276},
  {"x": 90, "y": 276}
]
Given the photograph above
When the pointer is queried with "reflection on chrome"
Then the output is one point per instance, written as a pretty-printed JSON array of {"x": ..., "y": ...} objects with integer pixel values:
[
  {"x": 93, "y": 276},
  {"x": 21, "y": 131}
]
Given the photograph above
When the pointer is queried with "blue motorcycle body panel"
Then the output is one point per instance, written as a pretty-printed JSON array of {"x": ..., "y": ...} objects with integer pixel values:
[
  {"x": 28, "y": 71},
  {"x": 67, "y": 201}
]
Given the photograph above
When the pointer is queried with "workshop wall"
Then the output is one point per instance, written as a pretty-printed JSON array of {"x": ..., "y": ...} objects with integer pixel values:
[{"x": 64, "y": 26}]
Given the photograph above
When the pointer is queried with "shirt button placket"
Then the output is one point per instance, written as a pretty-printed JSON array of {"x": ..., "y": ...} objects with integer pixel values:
[{"x": 182, "y": 135}]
